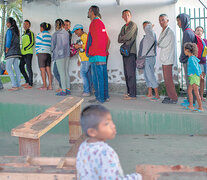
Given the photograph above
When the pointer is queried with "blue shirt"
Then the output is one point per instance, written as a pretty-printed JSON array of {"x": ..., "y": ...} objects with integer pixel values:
[
  {"x": 193, "y": 66},
  {"x": 8, "y": 38}
]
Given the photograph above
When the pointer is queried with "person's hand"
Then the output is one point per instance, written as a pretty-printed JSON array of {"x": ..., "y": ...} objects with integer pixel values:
[
  {"x": 78, "y": 63},
  {"x": 7, "y": 49},
  {"x": 76, "y": 46},
  {"x": 201, "y": 76}
]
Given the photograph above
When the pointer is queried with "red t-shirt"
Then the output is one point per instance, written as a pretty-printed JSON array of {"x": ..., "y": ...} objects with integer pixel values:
[{"x": 99, "y": 37}]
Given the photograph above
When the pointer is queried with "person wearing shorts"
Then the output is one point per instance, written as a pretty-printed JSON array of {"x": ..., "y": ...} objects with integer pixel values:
[{"x": 43, "y": 51}]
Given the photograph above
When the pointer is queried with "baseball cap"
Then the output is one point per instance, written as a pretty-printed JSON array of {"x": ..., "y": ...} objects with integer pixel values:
[{"x": 76, "y": 27}]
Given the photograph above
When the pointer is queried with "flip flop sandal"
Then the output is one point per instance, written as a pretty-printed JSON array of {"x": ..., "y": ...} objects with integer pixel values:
[
  {"x": 43, "y": 88},
  {"x": 49, "y": 88},
  {"x": 187, "y": 108},
  {"x": 154, "y": 99},
  {"x": 125, "y": 95},
  {"x": 197, "y": 110},
  {"x": 130, "y": 98},
  {"x": 27, "y": 87},
  {"x": 146, "y": 97},
  {"x": 13, "y": 89}
]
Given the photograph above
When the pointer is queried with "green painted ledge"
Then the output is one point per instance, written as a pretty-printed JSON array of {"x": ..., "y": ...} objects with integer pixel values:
[{"x": 127, "y": 121}]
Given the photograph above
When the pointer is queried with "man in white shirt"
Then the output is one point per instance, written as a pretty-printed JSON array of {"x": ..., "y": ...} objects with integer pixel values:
[{"x": 167, "y": 57}]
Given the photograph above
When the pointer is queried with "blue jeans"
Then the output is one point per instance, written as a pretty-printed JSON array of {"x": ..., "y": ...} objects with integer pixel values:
[
  {"x": 56, "y": 74},
  {"x": 85, "y": 72},
  {"x": 149, "y": 72},
  {"x": 100, "y": 81},
  {"x": 15, "y": 80}
]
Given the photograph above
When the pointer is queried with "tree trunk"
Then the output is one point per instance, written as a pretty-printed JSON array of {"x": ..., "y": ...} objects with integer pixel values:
[{"x": 2, "y": 29}]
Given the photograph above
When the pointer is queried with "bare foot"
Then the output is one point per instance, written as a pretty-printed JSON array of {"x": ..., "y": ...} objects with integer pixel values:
[
  {"x": 157, "y": 97},
  {"x": 58, "y": 90},
  {"x": 190, "y": 107},
  {"x": 25, "y": 84},
  {"x": 49, "y": 88}
]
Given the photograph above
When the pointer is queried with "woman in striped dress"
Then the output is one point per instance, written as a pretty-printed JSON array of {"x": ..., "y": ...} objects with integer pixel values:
[{"x": 43, "y": 51}]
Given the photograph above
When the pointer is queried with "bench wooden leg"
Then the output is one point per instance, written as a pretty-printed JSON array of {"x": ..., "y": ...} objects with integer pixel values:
[
  {"x": 74, "y": 125},
  {"x": 29, "y": 147}
]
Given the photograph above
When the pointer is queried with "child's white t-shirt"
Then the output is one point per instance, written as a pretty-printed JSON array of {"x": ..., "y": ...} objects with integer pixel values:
[{"x": 98, "y": 161}]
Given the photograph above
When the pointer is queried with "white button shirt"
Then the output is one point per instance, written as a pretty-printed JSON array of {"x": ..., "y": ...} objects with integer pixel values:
[{"x": 167, "y": 44}]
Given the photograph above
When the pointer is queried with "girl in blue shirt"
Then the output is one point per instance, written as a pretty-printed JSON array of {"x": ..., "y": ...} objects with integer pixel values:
[{"x": 194, "y": 75}]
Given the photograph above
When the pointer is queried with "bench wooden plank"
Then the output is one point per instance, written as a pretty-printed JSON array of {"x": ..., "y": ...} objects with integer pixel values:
[
  {"x": 41, "y": 124},
  {"x": 33, "y": 168}
]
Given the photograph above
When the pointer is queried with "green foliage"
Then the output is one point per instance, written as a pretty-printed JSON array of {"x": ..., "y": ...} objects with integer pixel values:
[
  {"x": 5, "y": 79},
  {"x": 162, "y": 89}
]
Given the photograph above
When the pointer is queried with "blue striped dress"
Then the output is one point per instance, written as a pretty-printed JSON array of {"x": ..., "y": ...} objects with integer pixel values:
[{"x": 43, "y": 42}]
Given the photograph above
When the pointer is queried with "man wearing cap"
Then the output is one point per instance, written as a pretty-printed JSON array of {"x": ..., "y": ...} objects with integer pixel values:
[
  {"x": 96, "y": 49},
  {"x": 83, "y": 59}
]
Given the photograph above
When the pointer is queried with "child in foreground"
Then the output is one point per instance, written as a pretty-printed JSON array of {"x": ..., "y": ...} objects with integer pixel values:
[
  {"x": 194, "y": 75},
  {"x": 96, "y": 160}
]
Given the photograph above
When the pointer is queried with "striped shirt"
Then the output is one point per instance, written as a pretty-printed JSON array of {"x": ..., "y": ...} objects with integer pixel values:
[{"x": 43, "y": 42}]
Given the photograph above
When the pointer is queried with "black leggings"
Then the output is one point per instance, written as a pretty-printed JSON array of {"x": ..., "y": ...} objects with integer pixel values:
[{"x": 27, "y": 59}]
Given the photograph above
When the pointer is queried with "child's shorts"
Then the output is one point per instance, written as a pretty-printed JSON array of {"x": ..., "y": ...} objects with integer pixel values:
[{"x": 194, "y": 79}]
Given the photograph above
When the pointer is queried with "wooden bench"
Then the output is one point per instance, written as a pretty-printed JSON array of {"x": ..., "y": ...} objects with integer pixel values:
[
  {"x": 30, "y": 132},
  {"x": 33, "y": 168}
]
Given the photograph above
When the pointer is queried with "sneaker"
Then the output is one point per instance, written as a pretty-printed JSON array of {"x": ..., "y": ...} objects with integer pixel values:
[
  {"x": 61, "y": 93},
  {"x": 86, "y": 94},
  {"x": 92, "y": 101},
  {"x": 169, "y": 101},
  {"x": 68, "y": 92},
  {"x": 167, "y": 98},
  {"x": 107, "y": 100}
]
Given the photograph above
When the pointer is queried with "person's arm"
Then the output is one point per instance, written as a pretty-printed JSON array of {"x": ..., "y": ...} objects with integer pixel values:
[
  {"x": 130, "y": 31},
  {"x": 53, "y": 42},
  {"x": 111, "y": 168},
  {"x": 108, "y": 43},
  {"x": 8, "y": 39},
  {"x": 186, "y": 38},
  {"x": 31, "y": 41},
  {"x": 167, "y": 41}
]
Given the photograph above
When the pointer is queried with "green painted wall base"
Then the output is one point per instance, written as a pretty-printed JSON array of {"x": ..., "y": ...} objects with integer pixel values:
[{"x": 127, "y": 121}]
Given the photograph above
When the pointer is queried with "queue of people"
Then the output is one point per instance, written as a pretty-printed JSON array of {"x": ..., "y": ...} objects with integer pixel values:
[{"x": 93, "y": 53}]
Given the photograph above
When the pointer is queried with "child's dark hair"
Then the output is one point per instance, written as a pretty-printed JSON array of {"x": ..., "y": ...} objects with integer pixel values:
[
  {"x": 126, "y": 10},
  {"x": 192, "y": 47},
  {"x": 199, "y": 27},
  {"x": 45, "y": 26},
  {"x": 26, "y": 20},
  {"x": 58, "y": 24},
  {"x": 91, "y": 116},
  {"x": 95, "y": 10},
  {"x": 13, "y": 25},
  {"x": 146, "y": 22},
  {"x": 67, "y": 20}
]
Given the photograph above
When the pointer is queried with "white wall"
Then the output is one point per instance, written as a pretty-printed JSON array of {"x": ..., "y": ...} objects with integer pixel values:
[{"x": 41, "y": 11}]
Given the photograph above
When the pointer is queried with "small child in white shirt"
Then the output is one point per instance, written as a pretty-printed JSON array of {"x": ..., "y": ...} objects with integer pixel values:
[{"x": 96, "y": 160}]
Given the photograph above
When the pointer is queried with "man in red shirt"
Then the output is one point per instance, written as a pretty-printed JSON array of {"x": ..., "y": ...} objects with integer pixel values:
[{"x": 96, "y": 49}]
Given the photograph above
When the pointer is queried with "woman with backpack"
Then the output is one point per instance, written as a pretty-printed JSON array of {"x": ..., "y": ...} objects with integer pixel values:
[{"x": 12, "y": 53}]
